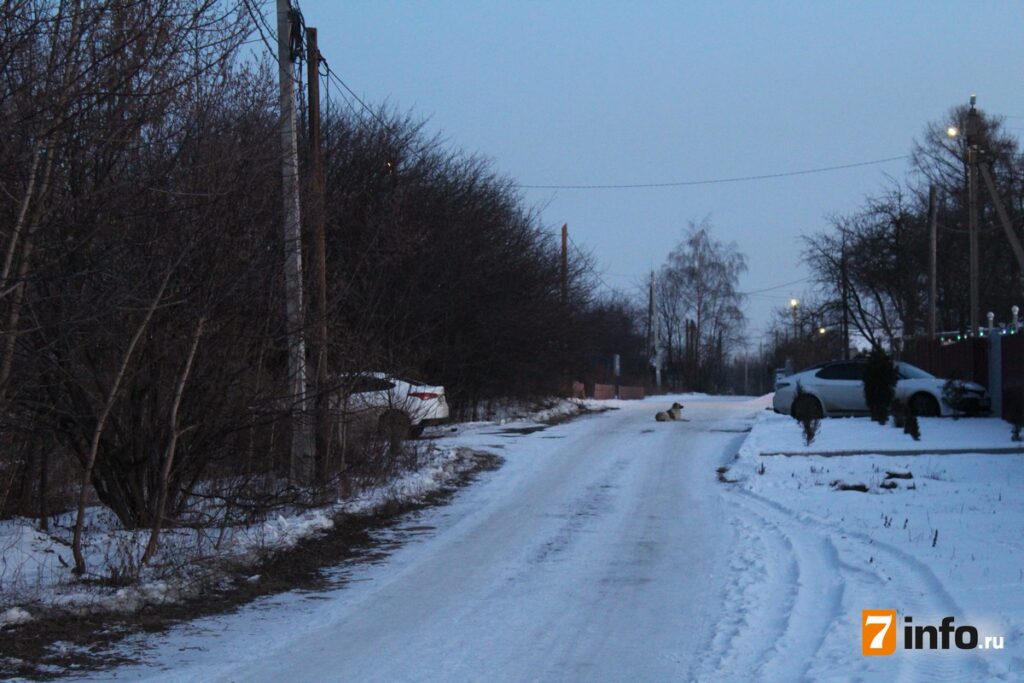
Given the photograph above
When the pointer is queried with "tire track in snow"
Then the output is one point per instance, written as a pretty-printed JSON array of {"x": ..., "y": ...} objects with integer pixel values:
[
  {"x": 821, "y": 622},
  {"x": 796, "y": 600},
  {"x": 748, "y": 609}
]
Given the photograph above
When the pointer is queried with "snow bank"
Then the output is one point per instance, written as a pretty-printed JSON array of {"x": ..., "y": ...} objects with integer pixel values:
[
  {"x": 35, "y": 568},
  {"x": 544, "y": 410},
  {"x": 774, "y": 433},
  {"x": 14, "y": 616}
]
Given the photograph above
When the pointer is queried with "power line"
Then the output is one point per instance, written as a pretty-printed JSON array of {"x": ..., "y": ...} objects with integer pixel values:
[
  {"x": 344, "y": 85},
  {"x": 770, "y": 289},
  {"x": 715, "y": 181},
  {"x": 583, "y": 254},
  {"x": 260, "y": 21}
]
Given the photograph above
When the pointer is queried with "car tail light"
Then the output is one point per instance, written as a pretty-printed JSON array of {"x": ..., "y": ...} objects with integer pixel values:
[{"x": 423, "y": 395}]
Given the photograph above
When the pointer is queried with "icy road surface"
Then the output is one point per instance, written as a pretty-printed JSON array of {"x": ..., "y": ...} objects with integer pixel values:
[{"x": 603, "y": 549}]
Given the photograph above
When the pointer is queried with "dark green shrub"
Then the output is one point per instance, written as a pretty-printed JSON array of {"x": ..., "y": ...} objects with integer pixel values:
[
  {"x": 879, "y": 384},
  {"x": 911, "y": 426},
  {"x": 810, "y": 426},
  {"x": 899, "y": 414},
  {"x": 1013, "y": 408}
]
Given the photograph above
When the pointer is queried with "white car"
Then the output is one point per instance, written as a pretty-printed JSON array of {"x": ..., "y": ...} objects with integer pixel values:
[
  {"x": 837, "y": 388},
  {"x": 399, "y": 407}
]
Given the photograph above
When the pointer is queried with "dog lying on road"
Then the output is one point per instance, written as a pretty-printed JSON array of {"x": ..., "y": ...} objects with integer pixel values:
[{"x": 673, "y": 413}]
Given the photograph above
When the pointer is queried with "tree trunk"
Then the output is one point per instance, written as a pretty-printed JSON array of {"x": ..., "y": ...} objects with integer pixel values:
[
  {"x": 76, "y": 543},
  {"x": 165, "y": 472}
]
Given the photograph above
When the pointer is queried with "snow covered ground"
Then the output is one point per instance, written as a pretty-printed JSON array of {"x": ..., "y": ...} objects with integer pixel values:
[
  {"x": 35, "y": 567},
  {"x": 810, "y": 557},
  {"x": 607, "y": 548}
]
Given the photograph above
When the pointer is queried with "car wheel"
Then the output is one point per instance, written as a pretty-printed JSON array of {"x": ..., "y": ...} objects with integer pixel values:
[
  {"x": 809, "y": 407},
  {"x": 394, "y": 426},
  {"x": 924, "y": 405}
]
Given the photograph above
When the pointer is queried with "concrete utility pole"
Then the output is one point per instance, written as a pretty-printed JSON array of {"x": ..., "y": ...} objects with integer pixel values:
[
  {"x": 972, "y": 208},
  {"x": 323, "y": 413},
  {"x": 932, "y": 260},
  {"x": 652, "y": 335},
  {"x": 300, "y": 470}
]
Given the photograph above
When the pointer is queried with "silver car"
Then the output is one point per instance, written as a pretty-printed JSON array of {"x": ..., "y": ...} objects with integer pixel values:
[{"x": 837, "y": 388}]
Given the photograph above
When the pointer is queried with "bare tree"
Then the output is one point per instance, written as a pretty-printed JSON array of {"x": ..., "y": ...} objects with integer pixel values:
[{"x": 698, "y": 286}]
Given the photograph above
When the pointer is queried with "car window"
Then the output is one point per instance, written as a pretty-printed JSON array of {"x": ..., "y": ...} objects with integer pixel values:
[
  {"x": 365, "y": 384},
  {"x": 908, "y": 371},
  {"x": 842, "y": 371}
]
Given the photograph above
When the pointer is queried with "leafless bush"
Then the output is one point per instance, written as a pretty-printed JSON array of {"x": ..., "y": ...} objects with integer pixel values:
[{"x": 142, "y": 331}]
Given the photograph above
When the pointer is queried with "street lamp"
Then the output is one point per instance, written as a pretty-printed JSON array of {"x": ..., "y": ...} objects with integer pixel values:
[
  {"x": 822, "y": 331},
  {"x": 793, "y": 305}
]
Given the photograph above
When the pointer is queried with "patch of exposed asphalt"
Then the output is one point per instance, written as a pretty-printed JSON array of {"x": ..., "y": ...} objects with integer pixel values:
[{"x": 58, "y": 644}]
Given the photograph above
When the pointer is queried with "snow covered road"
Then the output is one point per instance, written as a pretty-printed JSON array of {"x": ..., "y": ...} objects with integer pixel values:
[
  {"x": 600, "y": 550},
  {"x": 605, "y": 549}
]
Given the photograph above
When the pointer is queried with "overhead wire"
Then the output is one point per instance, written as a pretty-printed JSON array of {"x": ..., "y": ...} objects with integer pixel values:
[
  {"x": 771, "y": 289},
  {"x": 260, "y": 21},
  {"x": 715, "y": 181},
  {"x": 297, "y": 45}
]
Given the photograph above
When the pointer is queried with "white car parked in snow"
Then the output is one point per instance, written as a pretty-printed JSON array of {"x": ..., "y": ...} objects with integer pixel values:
[
  {"x": 837, "y": 388},
  {"x": 399, "y": 408}
]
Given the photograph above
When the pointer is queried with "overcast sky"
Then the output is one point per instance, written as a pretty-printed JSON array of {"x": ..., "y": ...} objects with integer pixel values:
[{"x": 565, "y": 93}]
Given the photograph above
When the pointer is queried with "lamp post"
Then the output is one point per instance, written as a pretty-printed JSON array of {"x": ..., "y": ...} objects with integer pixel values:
[
  {"x": 971, "y": 139},
  {"x": 794, "y": 304}
]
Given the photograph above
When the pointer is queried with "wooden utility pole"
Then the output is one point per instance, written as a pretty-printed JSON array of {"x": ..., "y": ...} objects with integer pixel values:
[
  {"x": 650, "y": 319},
  {"x": 565, "y": 263},
  {"x": 300, "y": 464},
  {"x": 972, "y": 209},
  {"x": 932, "y": 261},
  {"x": 846, "y": 300},
  {"x": 746, "y": 370},
  {"x": 1004, "y": 218},
  {"x": 323, "y": 411}
]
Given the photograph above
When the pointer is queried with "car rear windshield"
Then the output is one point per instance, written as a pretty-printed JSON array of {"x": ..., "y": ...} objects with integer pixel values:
[
  {"x": 363, "y": 385},
  {"x": 908, "y": 371}
]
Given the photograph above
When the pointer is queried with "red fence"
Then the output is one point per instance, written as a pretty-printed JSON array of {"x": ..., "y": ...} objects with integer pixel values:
[
  {"x": 969, "y": 359},
  {"x": 1013, "y": 376},
  {"x": 631, "y": 393},
  {"x": 603, "y": 392},
  {"x": 966, "y": 360}
]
